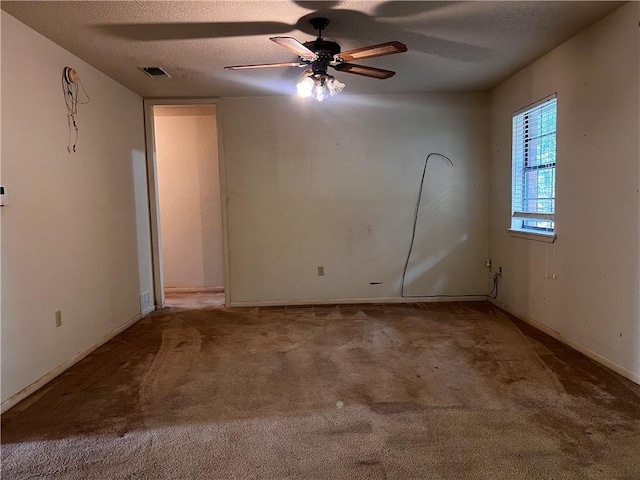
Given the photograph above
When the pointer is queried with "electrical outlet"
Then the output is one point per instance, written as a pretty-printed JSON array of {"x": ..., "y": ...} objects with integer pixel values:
[
  {"x": 321, "y": 271},
  {"x": 58, "y": 318},
  {"x": 145, "y": 301}
]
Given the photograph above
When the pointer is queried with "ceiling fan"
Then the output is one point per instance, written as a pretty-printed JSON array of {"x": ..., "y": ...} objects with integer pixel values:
[{"x": 320, "y": 54}]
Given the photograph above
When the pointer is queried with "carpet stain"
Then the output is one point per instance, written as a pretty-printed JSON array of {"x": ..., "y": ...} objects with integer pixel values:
[
  {"x": 390, "y": 408},
  {"x": 171, "y": 365},
  {"x": 357, "y": 427}
]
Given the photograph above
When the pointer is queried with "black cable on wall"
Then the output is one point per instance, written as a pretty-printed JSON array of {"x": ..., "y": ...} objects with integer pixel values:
[{"x": 494, "y": 291}]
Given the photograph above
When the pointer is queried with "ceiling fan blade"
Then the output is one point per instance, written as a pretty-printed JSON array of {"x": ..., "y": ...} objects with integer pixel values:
[
  {"x": 388, "y": 48},
  {"x": 295, "y": 46},
  {"x": 265, "y": 65},
  {"x": 364, "y": 71}
]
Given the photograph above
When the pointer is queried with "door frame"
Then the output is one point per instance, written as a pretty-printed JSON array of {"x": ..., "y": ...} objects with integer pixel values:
[{"x": 154, "y": 204}]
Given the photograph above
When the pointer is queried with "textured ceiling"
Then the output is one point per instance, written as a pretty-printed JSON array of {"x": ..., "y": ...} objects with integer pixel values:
[{"x": 453, "y": 46}]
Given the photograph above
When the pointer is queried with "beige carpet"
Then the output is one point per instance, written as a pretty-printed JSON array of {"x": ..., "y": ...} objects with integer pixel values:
[{"x": 431, "y": 391}]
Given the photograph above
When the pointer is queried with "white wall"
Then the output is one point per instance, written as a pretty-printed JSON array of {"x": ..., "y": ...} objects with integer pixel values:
[
  {"x": 335, "y": 184},
  {"x": 76, "y": 234},
  {"x": 189, "y": 194},
  {"x": 594, "y": 302}
]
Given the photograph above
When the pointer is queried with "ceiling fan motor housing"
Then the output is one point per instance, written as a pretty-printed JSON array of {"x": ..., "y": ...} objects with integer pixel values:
[{"x": 326, "y": 52}]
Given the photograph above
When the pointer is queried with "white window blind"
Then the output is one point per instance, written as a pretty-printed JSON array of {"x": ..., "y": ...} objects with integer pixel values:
[{"x": 534, "y": 167}]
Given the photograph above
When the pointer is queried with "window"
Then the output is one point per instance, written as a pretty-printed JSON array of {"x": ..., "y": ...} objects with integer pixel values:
[{"x": 533, "y": 171}]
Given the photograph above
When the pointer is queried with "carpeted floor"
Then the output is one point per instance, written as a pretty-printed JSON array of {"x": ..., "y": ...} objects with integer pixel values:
[{"x": 428, "y": 391}]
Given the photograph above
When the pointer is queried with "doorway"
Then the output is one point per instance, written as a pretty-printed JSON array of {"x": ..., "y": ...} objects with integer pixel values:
[{"x": 186, "y": 201}]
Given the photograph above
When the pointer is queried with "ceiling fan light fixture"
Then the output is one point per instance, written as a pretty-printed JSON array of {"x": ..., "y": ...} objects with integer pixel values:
[
  {"x": 334, "y": 86},
  {"x": 319, "y": 86},
  {"x": 305, "y": 87},
  {"x": 319, "y": 92}
]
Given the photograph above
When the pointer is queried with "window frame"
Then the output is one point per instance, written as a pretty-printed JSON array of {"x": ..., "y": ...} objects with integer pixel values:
[{"x": 523, "y": 160}]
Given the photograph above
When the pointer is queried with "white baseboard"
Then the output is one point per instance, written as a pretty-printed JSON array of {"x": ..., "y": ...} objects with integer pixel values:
[
  {"x": 349, "y": 301},
  {"x": 194, "y": 289},
  {"x": 625, "y": 372},
  {"x": 42, "y": 381}
]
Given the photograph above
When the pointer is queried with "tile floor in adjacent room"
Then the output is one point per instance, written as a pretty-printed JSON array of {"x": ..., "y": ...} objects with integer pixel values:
[{"x": 194, "y": 299}]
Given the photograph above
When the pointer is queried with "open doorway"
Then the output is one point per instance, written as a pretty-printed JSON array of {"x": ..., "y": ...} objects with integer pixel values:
[{"x": 186, "y": 204}]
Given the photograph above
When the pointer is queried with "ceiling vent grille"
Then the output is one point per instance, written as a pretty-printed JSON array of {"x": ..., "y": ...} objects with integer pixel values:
[{"x": 155, "y": 72}]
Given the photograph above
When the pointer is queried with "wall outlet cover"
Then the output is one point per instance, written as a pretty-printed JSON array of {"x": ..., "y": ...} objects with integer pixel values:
[{"x": 145, "y": 301}]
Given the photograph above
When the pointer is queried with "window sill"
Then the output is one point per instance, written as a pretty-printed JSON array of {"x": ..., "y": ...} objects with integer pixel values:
[{"x": 536, "y": 236}]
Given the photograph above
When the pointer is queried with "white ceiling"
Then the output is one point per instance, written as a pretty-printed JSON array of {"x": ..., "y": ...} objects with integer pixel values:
[{"x": 452, "y": 46}]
